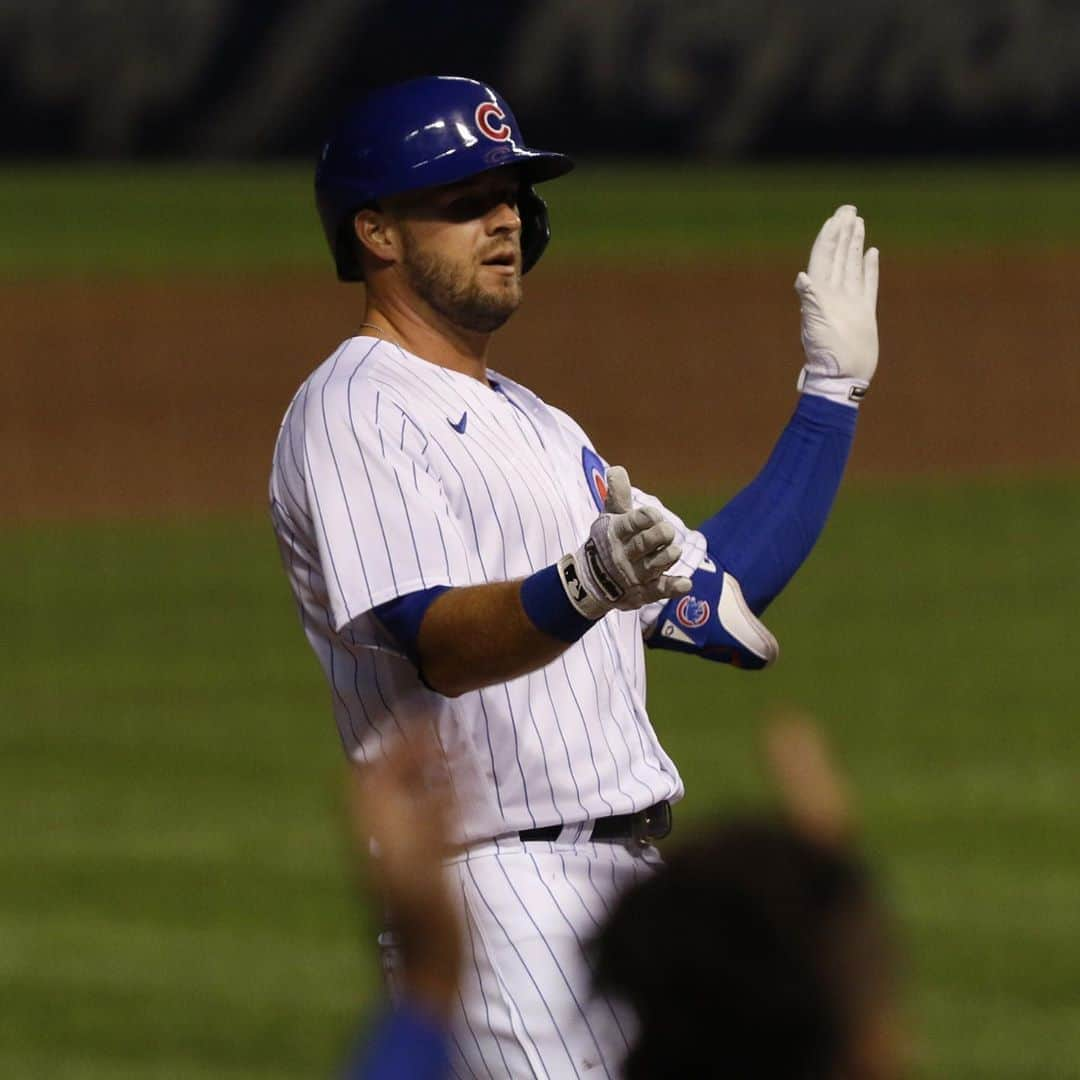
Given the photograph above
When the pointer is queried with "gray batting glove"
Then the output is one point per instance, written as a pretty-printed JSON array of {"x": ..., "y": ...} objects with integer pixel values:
[
  {"x": 622, "y": 563},
  {"x": 838, "y": 301}
]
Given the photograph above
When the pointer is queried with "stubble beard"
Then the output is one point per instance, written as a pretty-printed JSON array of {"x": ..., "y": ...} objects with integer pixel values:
[{"x": 457, "y": 296}]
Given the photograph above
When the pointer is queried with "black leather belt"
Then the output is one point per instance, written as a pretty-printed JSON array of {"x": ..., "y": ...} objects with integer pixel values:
[{"x": 644, "y": 827}]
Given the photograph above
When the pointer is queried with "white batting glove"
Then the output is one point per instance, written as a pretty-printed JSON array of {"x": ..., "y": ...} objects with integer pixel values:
[
  {"x": 838, "y": 300},
  {"x": 622, "y": 563}
]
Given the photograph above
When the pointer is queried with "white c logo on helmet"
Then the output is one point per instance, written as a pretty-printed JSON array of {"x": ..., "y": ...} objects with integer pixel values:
[{"x": 489, "y": 120}]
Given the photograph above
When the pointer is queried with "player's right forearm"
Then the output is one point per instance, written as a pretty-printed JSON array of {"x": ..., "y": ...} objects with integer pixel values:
[{"x": 480, "y": 635}]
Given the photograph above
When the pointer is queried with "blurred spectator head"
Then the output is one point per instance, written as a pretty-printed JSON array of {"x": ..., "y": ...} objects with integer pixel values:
[
  {"x": 762, "y": 948},
  {"x": 758, "y": 951}
]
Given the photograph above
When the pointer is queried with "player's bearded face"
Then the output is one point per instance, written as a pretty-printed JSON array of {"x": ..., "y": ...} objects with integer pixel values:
[{"x": 469, "y": 271}]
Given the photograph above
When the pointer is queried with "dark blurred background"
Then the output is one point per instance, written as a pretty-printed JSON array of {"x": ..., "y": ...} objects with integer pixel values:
[{"x": 230, "y": 78}]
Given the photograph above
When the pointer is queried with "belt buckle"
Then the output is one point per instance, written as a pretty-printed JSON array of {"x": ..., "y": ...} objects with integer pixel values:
[{"x": 651, "y": 824}]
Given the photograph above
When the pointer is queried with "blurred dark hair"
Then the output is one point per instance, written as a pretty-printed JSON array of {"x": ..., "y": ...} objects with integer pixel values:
[{"x": 755, "y": 952}]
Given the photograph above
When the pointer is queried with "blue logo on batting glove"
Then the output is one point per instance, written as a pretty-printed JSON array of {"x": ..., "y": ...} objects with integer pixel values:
[
  {"x": 692, "y": 612},
  {"x": 692, "y": 624}
]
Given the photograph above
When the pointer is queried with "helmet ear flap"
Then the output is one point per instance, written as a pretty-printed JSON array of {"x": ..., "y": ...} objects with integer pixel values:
[{"x": 535, "y": 227}]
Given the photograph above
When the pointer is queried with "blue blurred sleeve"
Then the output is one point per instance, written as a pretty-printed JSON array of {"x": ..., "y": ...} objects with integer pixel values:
[
  {"x": 407, "y": 1044},
  {"x": 763, "y": 535}
]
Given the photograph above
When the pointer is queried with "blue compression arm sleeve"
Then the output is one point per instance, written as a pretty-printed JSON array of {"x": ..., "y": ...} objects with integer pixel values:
[
  {"x": 763, "y": 535},
  {"x": 407, "y": 1044}
]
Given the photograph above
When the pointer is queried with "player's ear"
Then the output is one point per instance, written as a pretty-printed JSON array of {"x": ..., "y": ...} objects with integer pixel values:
[{"x": 378, "y": 234}]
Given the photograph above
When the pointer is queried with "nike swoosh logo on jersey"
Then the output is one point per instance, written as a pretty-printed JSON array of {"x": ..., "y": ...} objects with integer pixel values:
[{"x": 459, "y": 427}]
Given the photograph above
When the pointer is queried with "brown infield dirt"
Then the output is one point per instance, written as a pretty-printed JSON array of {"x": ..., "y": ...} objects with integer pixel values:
[{"x": 164, "y": 396}]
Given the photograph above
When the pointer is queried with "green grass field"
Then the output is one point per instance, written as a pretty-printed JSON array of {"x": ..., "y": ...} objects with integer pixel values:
[
  {"x": 176, "y": 901},
  {"x": 231, "y": 220},
  {"x": 175, "y": 898}
]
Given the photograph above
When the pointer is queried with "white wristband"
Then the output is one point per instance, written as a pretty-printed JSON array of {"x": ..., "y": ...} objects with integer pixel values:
[
  {"x": 836, "y": 388},
  {"x": 572, "y": 574}
]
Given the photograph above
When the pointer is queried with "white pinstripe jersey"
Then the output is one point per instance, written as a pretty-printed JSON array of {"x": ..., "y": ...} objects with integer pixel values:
[{"x": 392, "y": 474}]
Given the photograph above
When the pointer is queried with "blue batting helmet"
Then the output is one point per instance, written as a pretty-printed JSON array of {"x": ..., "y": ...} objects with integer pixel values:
[{"x": 420, "y": 134}]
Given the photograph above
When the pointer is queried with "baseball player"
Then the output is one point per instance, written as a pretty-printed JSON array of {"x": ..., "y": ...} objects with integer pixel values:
[{"x": 464, "y": 559}]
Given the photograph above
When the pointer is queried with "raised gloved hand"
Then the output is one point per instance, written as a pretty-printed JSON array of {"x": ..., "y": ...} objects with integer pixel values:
[
  {"x": 838, "y": 300},
  {"x": 622, "y": 563}
]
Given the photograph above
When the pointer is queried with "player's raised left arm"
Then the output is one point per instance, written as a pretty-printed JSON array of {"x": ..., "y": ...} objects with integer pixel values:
[
  {"x": 758, "y": 540},
  {"x": 765, "y": 533}
]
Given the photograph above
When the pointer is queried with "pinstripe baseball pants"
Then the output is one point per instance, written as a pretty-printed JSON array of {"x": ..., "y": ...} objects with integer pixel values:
[{"x": 526, "y": 1006}]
